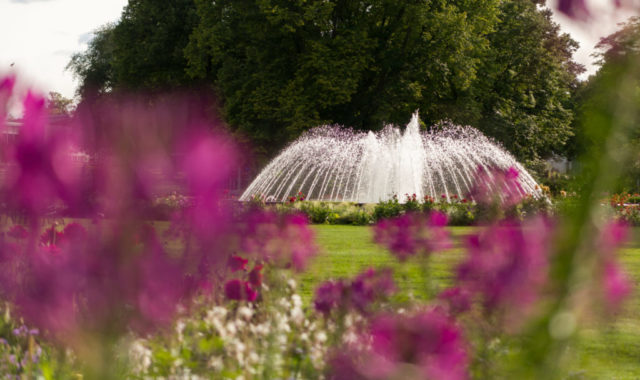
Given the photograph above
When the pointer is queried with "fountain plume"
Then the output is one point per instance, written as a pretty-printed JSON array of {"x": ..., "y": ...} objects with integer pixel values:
[{"x": 330, "y": 163}]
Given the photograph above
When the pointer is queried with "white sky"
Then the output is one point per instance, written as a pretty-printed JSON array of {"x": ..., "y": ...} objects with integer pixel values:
[{"x": 39, "y": 36}]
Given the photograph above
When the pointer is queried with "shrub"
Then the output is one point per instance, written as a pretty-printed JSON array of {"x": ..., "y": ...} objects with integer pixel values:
[
  {"x": 460, "y": 214},
  {"x": 387, "y": 209},
  {"x": 317, "y": 212},
  {"x": 411, "y": 203}
]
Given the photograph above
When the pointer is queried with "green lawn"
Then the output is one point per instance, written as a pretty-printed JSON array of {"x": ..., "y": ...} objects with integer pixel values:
[{"x": 609, "y": 352}]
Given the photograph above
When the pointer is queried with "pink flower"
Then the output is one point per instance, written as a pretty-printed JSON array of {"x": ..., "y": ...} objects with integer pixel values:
[
  {"x": 369, "y": 286},
  {"x": 18, "y": 232},
  {"x": 507, "y": 264},
  {"x": 284, "y": 240},
  {"x": 237, "y": 263},
  {"x": 577, "y": 9},
  {"x": 328, "y": 296},
  {"x": 426, "y": 345},
  {"x": 255, "y": 276},
  {"x": 457, "y": 300},
  {"x": 238, "y": 290},
  {"x": 497, "y": 186},
  {"x": 411, "y": 233},
  {"x": 366, "y": 288},
  {"x": 50, "y": 236},
  {"x": 616, "y": 285}
]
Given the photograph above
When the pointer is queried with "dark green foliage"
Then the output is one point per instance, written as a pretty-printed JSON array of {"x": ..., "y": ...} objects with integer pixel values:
[
  {"x": 387, "y": 209},
  {"x": 411, "y": 203},
  {"x": 143, "y": 51},
  {"x": 94, "y": 67},
  {"x": 459, "y": 214},
  {"x": 316, "y": 212},
  {"x": 526, "y": 81},
  {"x": 281, "y": 67},
  {"x": 635, "y": 199}
]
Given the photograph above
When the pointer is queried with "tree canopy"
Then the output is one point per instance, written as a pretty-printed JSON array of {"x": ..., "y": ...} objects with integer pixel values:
[
  {"x": 281, "y": 67},
  {"x": 611, "y": 98}
]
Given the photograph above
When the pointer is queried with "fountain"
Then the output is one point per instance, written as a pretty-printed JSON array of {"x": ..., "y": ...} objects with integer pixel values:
[{"x": 336, "y": 164}]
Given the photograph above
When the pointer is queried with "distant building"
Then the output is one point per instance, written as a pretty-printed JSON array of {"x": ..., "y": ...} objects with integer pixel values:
[{"x": 560, "y": 164}]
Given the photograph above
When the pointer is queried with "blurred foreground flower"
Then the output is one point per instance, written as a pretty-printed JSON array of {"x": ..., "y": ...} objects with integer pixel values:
[
  {"x": 365, "y": 289},
  {"x": 425, "y": 345},
  {"x": 284, "y": 240},
  {"x": 507, "y": 265},
  {"x": 413, "y": 233},
  {"x": 497, "y": 186}
]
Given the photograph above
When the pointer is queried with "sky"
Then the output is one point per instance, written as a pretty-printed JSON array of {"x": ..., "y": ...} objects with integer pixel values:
[{"x": 38, "y": 37}]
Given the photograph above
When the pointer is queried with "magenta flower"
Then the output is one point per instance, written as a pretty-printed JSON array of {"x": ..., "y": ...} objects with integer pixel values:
[
  {"x": 497, "y": 186},
  {"x": 111, "y": 276},
  {"x": 6, "y": 90},
  {"x": 238, "y": 290},
  {"x": 507, "y": 264},
  {"x": 366, "y": 288},
  {"x": 369, "y": 286},
  {"x": 255, "y": 276},
  {"x": 411, "y": 233},
  {"x": 576, "y": 9},
  {"x": 427, "y": 345},
  {"x": 616, "y": 285},
  {"x": 457, "y": 300},
  {"x": 50, "y": 236},
  {"x": 328, "y": 296},
  {"x": 18, "y": 232},
  {"x": 284, "y": 240},
  {"x": 237, "y": 263}
]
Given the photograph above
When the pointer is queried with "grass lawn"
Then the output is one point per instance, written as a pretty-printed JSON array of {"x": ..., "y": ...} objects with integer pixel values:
[{"x": 610, "y": 352}]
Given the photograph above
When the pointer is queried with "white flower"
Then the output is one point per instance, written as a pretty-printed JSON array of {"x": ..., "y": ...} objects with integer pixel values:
[
  {"x": 141, "y": 356},
  {"x": 292, "y": 284},
  {"x": 297, "y": 316},
  {"x": 254, "y": 358},
  {"x": 283, "y": 325},
  {"x": 231, "y": 328},
  {"x": 215, "y": 362},
  {"x": 245, "y": 312},
  {"x": 284, "y": 303},
  {"x": 297, "y": 301},
  {"x": 180, "y": 325},
  {"x": 321, "y": 336}
]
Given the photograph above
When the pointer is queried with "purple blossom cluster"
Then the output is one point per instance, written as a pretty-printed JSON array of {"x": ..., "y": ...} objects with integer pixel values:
[
  {"x": 497, "y": 186},
  {"x": 115, "y": 272},
  {"x": 507, "y": 264},
  {"x": 282, "y": 240},
  {"x": 413, "y": 233},
  {"x": 358, "y": 294},
  {"x": 424, "y": 345}
]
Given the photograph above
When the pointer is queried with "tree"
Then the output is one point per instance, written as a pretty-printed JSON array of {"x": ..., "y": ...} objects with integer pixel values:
[
  {"x": 610, "y": 98},
  {"x": 59, "y": 105},
  {"x": 526, "y": 82},
  {"x": 94, "y": 67},
  {"x": 142, "y": 51},
  {"x": 149, "y": 41},
  {"x": 282, "y": 67}
]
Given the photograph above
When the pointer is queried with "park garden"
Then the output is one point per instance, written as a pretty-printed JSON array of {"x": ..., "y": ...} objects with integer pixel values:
[{"x": 432, "y": 251}]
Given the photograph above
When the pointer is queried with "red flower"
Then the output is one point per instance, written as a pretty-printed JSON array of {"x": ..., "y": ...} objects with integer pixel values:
[
  {"x": 18, "y": 232},
  {"x": 255, "y": 276},
  {"x": 238, "y": 290},
  {"x": 237, "y": 263}
]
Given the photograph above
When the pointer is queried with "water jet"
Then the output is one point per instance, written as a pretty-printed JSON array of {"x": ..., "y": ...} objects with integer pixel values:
[{"x": 335, "y": 164}]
